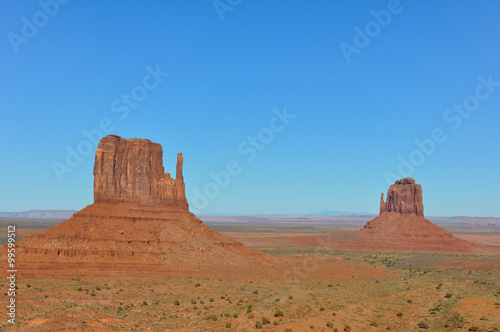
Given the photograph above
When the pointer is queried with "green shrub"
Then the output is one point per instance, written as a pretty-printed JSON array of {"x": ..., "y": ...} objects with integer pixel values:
[
  {"x": 197, "y": 285},
  {"x": 256, "y": 292},
  {"x": 347, "y": 328},
  {"x": 265, "y": 321},
  {"x": 176, "y": 302},
  {"x": 448, "y": 295},
  {"x": 211, "y": 299},
  {"x": 399, "y": 314},
  {"x": 373, "y": 323},
  {"x": 249, "y": 309},
  {"x": 228, "y": 325},
  {"x": 322, "y": 309},
  {"x": 235, "y": 315},
  {"x": 278, "y": 313},
  {"x": 258, "y": 324}
]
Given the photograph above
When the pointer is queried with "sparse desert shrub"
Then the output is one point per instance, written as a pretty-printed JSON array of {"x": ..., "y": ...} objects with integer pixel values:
[
  {"x": 256, "y": 292},
  {"x": 373, "y": 323},
  {"x": 250, "y": 316},
  {"x": 335, "y": 330},
  {"x": 235, "y": 316},
  {"x": 227, "y": 315},
  {"x": 79, "y": 289},
  {"x": 258, "y": 324},
  {"x": 311, "y": 327},
  {"x": 214, "y": 318},
  {"x": 334, "y": 313},
  {"x": 265, "y": 321},
  {"x": 97, "y": 288},
  {"x": 423, "y": 325},
  {"x": 277, "y": 300},
  {"x": 278, "y": 313},
  {"x": 211, "y": 299},
  {"x": 249, "y": 309},
  {"x": 202, "y": 302},
  {"x": 288, "y": 330},
  {"x": 197, "y": 285},
  {"x": 347, "y": 328},
  {"x": 456, "y": 320},
  {"x": 276, "y": 322},
  {"x": 329, "y": 324},
  {"x": 439, "y": 286},
  {"x": 474, "y": 328},
  {"x": 399, "y": 314},
  {"x": 228, "y": 325},
  {"x": 388, "y": 328},
  {"x": 322, "y": 309},
  {"x": 92, "y": 294},
  {"x": 410, "y": 301},
  {"x": 290, "y": 297},
  {"x": 448, "y": 295},
  {"x": 193, "y": 301},
  {"x": 222, "y": 297},
  {"x": 176, "y": 302}
]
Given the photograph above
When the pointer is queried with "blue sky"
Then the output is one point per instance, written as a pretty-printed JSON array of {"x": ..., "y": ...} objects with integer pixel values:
[{"x": 319, "y": 104}]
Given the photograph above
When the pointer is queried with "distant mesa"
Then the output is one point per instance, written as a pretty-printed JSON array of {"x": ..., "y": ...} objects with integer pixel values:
[
  {"x": 401, "y": 222},
  {"x": 138, "y": 226}
]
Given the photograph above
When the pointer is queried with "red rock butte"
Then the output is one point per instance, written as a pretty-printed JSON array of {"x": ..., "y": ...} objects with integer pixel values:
[
  {"x": 401, "y": 224},
  {"x": 139, "y": 225}
]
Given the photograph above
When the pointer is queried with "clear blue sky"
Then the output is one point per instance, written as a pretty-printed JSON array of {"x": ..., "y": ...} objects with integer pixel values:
[{"x": 360, "y": 99}]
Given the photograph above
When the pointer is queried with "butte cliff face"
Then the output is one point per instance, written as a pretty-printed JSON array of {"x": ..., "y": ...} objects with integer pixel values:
[
  {"x": 401, "y": 224},
  {"x": 139, "y": 222},
  {"x": 405, "y": 197},
  {"x": 131, "y": 171}
]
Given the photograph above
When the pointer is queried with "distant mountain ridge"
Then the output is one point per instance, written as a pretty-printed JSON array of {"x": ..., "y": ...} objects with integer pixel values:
[
  {"x": 338, "y": 213},
  {"x": 39, "y": 214}
]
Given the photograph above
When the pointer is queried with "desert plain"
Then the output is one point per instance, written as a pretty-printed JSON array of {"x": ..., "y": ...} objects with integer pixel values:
[{"x": 319, "y": 286}]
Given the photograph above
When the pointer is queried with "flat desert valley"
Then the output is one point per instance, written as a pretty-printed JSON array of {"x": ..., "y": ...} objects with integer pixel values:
[{"x": 327, "y": 284}]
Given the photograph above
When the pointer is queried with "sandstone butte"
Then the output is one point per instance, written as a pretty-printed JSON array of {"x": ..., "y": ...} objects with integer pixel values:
[
  {"x": 401, "y": 224},
  {"x": 138, "y": 226}
]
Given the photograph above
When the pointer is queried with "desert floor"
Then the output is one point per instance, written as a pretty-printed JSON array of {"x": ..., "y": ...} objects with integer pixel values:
[{"x": 320, "y": 290}]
